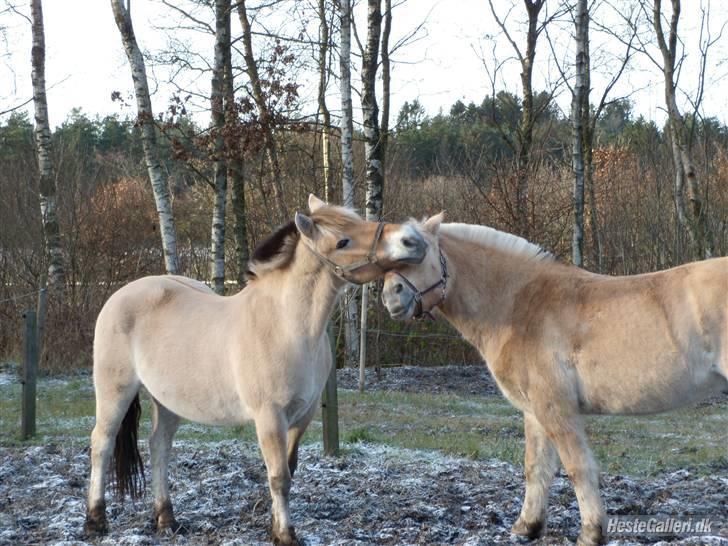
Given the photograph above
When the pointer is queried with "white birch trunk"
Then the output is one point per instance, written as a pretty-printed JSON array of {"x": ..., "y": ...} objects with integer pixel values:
[
  {"x": 47, "y": 181},
  {"x": 222, "y": 50},
  {"x": 580, "y": 106},
  {"x": 351, "y": 326},
  {"x": 372, "y": 146},
  {"x": 145, "y": 118},
  {"x": 323, "y": 108}
]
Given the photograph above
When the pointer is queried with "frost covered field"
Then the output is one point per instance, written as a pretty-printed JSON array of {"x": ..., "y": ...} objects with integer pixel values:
[{"x": 426, "y": 460}]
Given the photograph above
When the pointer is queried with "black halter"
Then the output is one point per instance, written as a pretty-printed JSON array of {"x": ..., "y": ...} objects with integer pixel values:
[
  {"x": 419, "y": 294},
  {"x": 341, "y": 271}
]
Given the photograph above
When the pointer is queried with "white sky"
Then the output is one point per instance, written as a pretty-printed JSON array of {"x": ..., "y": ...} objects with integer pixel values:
[{"x": 85, "y": 61}]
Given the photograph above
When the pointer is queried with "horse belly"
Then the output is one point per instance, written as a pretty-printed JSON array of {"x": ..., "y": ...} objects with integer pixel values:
[
  {"x": 199, "y": 395},
  {"x": 651, "y": 388}
]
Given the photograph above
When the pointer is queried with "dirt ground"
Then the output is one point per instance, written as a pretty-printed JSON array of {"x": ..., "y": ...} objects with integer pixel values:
[{"x": 369, "y": 495}]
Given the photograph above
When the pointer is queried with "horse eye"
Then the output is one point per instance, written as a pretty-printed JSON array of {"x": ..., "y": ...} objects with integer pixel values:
[{"x": 342, "y": 243}]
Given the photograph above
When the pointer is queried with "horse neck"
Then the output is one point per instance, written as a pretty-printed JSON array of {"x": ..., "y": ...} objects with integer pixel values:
[
  {"x": 484, "y": 283},
  {"x": 307, "y": 291}
]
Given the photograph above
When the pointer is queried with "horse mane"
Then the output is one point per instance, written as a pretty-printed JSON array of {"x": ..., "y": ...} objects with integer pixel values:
[
  {"x": 499, "y": 240},
  {"x": 279, "y": 248}
]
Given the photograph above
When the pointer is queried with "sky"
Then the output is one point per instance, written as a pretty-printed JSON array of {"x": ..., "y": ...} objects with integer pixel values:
[{"x": 456, "y": 49}]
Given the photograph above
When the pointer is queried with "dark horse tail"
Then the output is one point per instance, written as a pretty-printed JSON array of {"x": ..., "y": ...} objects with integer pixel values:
[{"x": 126, "y": 461}]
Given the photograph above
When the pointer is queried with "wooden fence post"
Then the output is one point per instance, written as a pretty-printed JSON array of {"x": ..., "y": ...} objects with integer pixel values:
[
  {"x": 41, "y": 317},
  {"x": 30, "y": 372},
  {"x": 330, "y": 404},
  {"x": 363, "y": 336}
]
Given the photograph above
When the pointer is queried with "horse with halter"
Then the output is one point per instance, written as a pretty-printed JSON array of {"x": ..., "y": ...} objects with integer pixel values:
[
  {"x": 562, "y": 342},
  {"x": 260, "y": 356}
]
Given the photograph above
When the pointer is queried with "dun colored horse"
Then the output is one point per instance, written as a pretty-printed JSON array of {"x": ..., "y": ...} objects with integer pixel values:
[
  {"x": 562, "y": 342},
  {"x": 260, "y": 356}
]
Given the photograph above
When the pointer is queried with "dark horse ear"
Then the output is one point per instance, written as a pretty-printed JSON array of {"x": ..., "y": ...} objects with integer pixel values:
[{"x": 305, "y": 225}]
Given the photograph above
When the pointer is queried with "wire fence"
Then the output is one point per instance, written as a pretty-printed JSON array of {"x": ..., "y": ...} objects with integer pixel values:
[{"x": 71, "y": 321}]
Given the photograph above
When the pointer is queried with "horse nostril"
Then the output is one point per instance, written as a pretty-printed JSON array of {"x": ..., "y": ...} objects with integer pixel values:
[
  {"x": 398, "y": 288},
  {"x": 409, "y": 242}
]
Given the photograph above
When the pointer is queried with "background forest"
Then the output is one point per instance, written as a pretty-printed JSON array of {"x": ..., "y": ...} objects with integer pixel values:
[{"x": 507, "y": 161}]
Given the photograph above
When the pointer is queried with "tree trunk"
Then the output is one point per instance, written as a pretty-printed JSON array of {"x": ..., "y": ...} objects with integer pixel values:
[
  {"x": 236, "y": 177},
  {"x": 251, "y": 67},
  {"x": 386, "y": 80},
  {"x": 525, "y": 129},
  {"x": 323, "y": 109},
  {"x": 217, "y": 94},
  {"x": 372, "y": 145},
  {"x": 580, "y": 107},
  {"x": 370, "y": 113},
  {"x": 692, "y": 218},
  {"x": 145, "y": 119},
  {"x": 351, "y": 327},
  {"x": 593, "y": 210},
  {"x": 47, "y": 180}
]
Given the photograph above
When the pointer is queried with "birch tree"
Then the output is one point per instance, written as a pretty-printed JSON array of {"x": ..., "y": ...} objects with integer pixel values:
[
  {"x": 690, "y": 212},
  {"x": 251, "y": 67},
  {"x": 524, "y": 143},
  {"x": 236, "y": 175},
  {"x": 217, "y": 99},
  {"x": 580, "y": 111},
  {"x": 47, "y": 181},
  {"x": 351, "y": 330},
  {"x": 145, "y": 120},
  {"x": 370, "y": 113},
  {"x": 372, "y": 148},
  {"x": 323, "y": 110}
]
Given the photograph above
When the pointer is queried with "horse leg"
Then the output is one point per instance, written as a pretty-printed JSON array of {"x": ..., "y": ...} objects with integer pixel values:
[
  {"x": 294, "y": 437},
  {"x": 271, "y": 429},
  {"x": 541, "y": 463},
  {"x": 112, "y": 403},
  {"x": 566, "y": 431},
  {"x": 164, "y": 425}
]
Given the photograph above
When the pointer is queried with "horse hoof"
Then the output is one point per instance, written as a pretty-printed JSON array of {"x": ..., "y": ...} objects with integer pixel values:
[
  {"x": 590, "y": 536},
  {"x": 96, "y": 524},
  {"x": 95, "y": 527},
  {"x": 170, "y": 529},
  {"x": 530, "y": 530},
  {"x": 286, "y": 538}
]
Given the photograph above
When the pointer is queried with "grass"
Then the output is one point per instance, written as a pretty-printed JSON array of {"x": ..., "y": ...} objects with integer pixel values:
[{"x": 477, "y": 427}]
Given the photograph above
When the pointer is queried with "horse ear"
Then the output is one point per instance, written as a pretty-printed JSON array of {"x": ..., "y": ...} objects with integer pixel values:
[
  {"x": 305, "y": 225},
  {"x": 432, "y": 224},
  {"x": 314, "y": 203}
]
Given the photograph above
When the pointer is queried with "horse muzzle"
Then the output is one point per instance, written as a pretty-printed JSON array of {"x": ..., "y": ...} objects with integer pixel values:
[{"x": 400, "y": 303}]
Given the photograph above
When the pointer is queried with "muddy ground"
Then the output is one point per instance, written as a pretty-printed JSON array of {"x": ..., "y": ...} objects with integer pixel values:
[{"x": 369, "y": 495}]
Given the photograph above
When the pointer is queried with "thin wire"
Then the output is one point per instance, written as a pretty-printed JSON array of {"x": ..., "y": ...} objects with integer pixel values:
[
  {"x": 19, "y": 297},
  {"x": 397, "y": 334}
]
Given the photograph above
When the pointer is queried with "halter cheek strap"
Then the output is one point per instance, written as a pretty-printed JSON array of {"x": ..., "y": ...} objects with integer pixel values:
[
  {"x": 342, "y": 271},
  {"x": 420, "y": 294}
]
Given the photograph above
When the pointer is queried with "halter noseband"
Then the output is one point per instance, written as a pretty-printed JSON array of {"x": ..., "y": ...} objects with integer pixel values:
[
  {"x": 419, "y": 294},
  {"x": 341, "y": 271}
]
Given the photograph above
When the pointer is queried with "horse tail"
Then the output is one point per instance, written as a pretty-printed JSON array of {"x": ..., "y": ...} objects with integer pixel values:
[{"x": 126, "y": 461}]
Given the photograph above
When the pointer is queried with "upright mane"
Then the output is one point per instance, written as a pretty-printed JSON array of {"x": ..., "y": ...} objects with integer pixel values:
[
  {"x": 500, "y": 240},
  {"x": 279, "y": 248}
]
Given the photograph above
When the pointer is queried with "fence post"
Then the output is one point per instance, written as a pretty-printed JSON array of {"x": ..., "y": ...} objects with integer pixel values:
[
  {"x": 363, "y": 336},
  {"x": 41, "y": 316},
  {"x": 30, "y": 371},
  {"x": 330, "y": 404}
]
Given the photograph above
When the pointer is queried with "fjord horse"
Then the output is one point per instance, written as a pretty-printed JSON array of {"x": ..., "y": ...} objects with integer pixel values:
[
  {"x": 260, "y": 356},
  {"x": 562, "y": 342}
]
